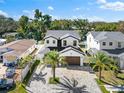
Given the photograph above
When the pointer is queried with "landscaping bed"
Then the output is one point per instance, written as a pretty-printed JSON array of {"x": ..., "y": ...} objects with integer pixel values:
[{"x": 54, "y": 81}]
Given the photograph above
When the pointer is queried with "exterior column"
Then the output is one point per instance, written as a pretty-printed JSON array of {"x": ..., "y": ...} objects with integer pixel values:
[{"x": 81, "y": 61}]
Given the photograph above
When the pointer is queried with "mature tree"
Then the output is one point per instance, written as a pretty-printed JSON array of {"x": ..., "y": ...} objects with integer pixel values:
[
  {"x": 52, "y": 58},
  {"x": 40, "y": 24},
  {"x": 7, "y": 25},
  {"x": 121, "y": 26},
  {"x": 23, "y": 26},
  {"x": 83, "y": 26},
  {"x": 102, "y": 61},
  {"x": 103, "y": 26},
  {"x": 64, "y": 24},
  {"x": 25, "y": 61}
]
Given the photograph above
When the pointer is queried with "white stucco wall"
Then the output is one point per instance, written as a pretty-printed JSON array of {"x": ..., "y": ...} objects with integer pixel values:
[
  {"x": 107, "y": 46},
  {"x": 25, "y": 71},
  {"x": 121, "y": 61},
  {"x": 91, "y": 43},
  {"x": 73, "y": 54},
  {"x": 51, "y": 44},
  {"x": 69, "y": 41}
]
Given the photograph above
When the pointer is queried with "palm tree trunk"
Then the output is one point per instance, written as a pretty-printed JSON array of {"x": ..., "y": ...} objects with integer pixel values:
[
  {"x": 54, "y": 73},
  {"x": 100, "y": 73}
]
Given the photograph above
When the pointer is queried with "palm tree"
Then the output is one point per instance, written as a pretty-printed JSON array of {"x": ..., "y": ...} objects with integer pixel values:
[
  {"x": 52, "y": 58},
  {"x": 71, "y": 86},
  {"x": 22, "y": 62},
  {"x": 102, "y": 61}
]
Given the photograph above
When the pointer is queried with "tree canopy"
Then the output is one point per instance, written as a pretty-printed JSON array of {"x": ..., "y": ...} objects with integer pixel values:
[{"x": 36, "y": 28}]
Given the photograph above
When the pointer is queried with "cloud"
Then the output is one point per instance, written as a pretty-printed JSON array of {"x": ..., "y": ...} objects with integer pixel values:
[
  {"x": 50, "y": 8},
  {"x": 77, "y": 9},
  {"x": 101, "y": 1},
  {"x": 29, "y": 13},
  {"x": 116, "y": 6},
  {"x": 3, "y": 13}
]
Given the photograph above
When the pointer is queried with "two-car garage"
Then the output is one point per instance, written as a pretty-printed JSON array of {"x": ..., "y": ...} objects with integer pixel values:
[
  {"x": 72, "y": 60},
  {"x": 72, "y": 56}
]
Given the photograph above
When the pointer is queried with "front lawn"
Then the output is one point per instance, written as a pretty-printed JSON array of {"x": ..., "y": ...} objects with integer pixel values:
[
  {"x": 121, "y": 76},
  {"x": 108, "y": 77}
]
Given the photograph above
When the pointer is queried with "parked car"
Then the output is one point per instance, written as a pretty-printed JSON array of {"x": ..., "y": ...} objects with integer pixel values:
[
  {"x": 10, "y": 72},
  {"x": 6, "y": 83}
]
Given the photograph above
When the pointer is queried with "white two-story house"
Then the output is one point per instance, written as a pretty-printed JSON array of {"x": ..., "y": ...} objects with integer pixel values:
[
  {"x": 66, "y": 43},
  {"x": 112, "y": 43}
]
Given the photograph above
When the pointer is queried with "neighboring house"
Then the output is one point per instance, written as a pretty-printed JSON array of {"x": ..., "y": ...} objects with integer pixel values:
[
  {"x": 112, "y": 43},
  {"x": 66, "y": 42},
  {"x": 2, "y": 41},
  {"x": 11, "y": 52}
]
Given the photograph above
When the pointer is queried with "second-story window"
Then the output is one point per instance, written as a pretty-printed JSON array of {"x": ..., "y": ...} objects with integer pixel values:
[
  {"x": 54, "y": 41},
  {"x": 47, "y": 41},
  {"x": 90, "y": 39},
  {"x": 103, "y": 43},
  {"x": 64, "y": 43},
  {"x": 110, "y": 43},
  {"x": 119, "y": 44},
  {"x": 75, "y": 43}
]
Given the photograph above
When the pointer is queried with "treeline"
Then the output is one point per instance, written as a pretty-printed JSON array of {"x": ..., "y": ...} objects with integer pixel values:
[
  {"x": 37, "y": 27},
  {"x": 7, "y": 25}
]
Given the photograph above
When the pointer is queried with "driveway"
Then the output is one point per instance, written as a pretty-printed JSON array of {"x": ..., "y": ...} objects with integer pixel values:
[{"x": 39, "y": 80}]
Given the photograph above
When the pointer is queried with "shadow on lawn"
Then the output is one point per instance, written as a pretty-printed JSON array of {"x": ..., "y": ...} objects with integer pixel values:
[{"x": 70, "y": 86}]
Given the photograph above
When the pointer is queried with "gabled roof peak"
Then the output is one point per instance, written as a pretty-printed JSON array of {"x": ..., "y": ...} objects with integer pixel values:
[{"x": 60, "y": 34}]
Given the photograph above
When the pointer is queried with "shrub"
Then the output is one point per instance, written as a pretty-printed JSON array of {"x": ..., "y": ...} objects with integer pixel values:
[{"x": 54, "y": 81}]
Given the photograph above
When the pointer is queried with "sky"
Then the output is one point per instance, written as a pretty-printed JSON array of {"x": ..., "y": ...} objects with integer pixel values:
[{"x": 93, "y": 10}]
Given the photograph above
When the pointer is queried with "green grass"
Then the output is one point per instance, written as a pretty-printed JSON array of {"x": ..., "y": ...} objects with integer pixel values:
[
  {"x": 101, "y": 86},
  {"x": 119, "y": 92},
  {"x": 20, "y": 87},
  {"x": 121, "y": 76},
  {"x": 109, "y": 78},
  {"x": 52, "y": 81}
]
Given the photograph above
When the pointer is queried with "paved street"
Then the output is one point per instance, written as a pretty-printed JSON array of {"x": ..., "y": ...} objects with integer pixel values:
[{"x": 39, "y": 81}]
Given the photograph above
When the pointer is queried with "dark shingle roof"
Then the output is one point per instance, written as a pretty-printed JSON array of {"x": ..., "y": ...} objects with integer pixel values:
[
  {"x": 114, "y": 51},
  {"x": 118, "y": 36},
  {"x": 59, "y": 34}
]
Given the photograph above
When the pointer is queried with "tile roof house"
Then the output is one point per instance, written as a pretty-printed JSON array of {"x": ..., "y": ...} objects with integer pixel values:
[
  {"x": 112, "y": 43},
  {"x": 66, "y": 42},
  {"x": 15, "y": 50}
]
